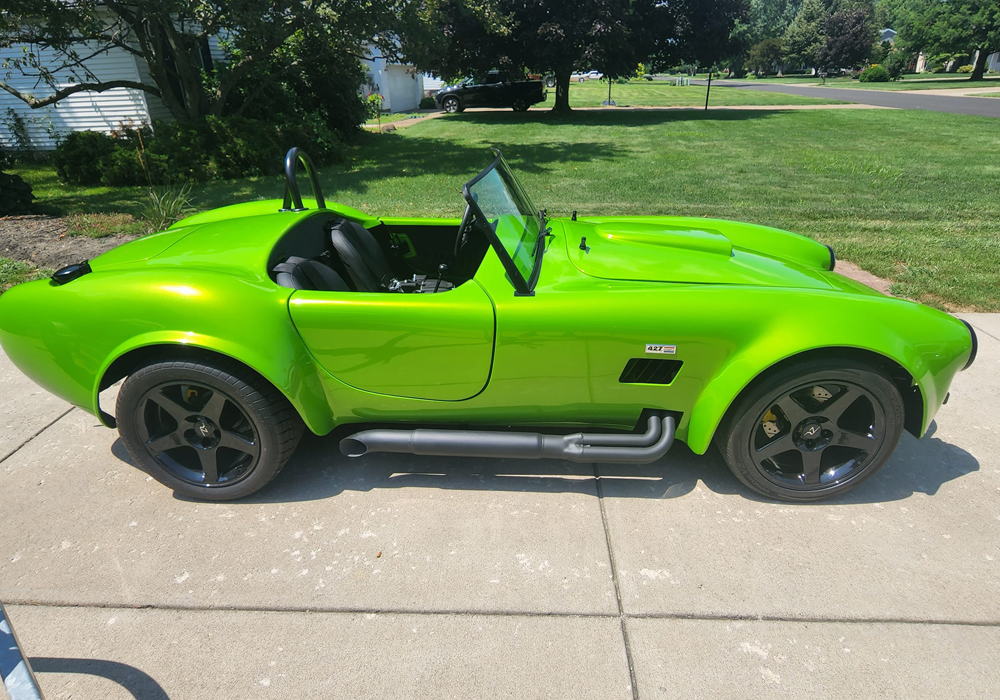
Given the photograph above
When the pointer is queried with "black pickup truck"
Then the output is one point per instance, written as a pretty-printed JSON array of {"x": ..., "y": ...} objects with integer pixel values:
[{"x": 495, "y": 89}]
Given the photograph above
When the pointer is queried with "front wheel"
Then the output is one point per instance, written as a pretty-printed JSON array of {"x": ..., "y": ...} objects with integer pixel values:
[
  {"x": 451, "y": 105},
  {"x": 213, "y": 432},
  {"x": 813, "y": 430}
]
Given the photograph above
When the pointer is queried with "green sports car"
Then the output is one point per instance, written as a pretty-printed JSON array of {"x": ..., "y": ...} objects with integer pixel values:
[{"x": 503, "y": 334}]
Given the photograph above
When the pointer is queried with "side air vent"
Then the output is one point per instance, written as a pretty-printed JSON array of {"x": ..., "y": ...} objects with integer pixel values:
[{"x": 644, "y": 370}]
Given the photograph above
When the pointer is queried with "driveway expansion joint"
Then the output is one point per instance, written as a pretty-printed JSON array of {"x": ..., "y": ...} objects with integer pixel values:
[
  {"x": 457, "y": 612},
  {"x": 618, "y": 591},
  {"x": 36, "y": 434}
]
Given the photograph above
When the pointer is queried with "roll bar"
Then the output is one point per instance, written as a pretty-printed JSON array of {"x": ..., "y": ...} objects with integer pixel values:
[{"x": 293, "y": 199}]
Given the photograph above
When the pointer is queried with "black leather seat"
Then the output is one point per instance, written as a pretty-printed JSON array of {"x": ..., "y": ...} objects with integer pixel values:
[
  {"x": 300, "y": 273},
  {"x": 367, "y": 267}
]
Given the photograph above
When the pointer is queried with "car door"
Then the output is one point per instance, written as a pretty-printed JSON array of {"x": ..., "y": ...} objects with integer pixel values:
[
  {"x": 497, "y": 90},
  {"x": 426, "y": 346}
]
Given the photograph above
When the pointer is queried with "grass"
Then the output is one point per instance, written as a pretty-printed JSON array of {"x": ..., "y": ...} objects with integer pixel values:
[
  {"x": 990, "y": 94},
  {"x": 394, "y": 117},
  {"x": 15, "y": 272},
  {"x": 910, "y": 196},
  {"x": 642, "y": 93},
  {"x": 923, "y": 81},
  {"x": 103, "y": 225}
]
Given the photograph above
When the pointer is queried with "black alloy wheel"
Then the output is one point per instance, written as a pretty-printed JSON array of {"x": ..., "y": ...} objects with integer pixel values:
[
  {"x": 814, "y": 431},
  {"x": 210, "y": 431},
  {"x": 520, "y": 105},
  {"x": 198, "y": 434}
]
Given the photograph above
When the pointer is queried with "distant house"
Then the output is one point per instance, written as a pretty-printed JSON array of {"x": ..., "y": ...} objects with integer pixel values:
[
  {"x": 400, "y": 84},
  {"x": 82, "y": 111},
  {"x": 432, "y": 84},
  {"x": 888, "y": 35}
]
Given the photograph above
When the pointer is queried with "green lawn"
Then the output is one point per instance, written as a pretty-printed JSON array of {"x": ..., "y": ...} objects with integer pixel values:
[
  {"x": 910, "y": 196},
  {"x": 924, "y": 81},
  {"x": 990, "y": 94},
  {"x": 643, "y": 93}
]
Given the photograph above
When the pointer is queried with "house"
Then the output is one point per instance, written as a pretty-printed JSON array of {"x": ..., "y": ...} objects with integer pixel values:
[
  {"x": 887, "y": 35},
  {"x": 400, "y": 84},
  {"x": 42, "y": 128},
  {"x": 432, "y": 84}
]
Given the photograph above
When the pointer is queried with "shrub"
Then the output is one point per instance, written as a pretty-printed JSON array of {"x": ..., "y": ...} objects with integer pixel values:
[
  {"x": 78, "y": 159},
  {"x": 968, "y": 68},
  {"x": 874, "y": 74},
  {"x": 164, "y": 207},
  {"x": 427, "y": 103},
  {"x": 896, "y": 62},
  {"x": 15, "y": 195}
]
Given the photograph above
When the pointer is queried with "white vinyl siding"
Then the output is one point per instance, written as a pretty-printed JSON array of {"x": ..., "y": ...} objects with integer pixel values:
[{"x": 82, "y": 111}]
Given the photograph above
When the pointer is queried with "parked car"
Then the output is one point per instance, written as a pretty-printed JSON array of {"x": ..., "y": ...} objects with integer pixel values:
[
  {"x": 495, "y": 89},
  {"x": 603, "y": 338},
  {"x": 589, "y": 75}
]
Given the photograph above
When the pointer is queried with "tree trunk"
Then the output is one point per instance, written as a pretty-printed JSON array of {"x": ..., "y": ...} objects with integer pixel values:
[
  {"x": 562, "y": 91},
  {"x": 980, "y": 68}
]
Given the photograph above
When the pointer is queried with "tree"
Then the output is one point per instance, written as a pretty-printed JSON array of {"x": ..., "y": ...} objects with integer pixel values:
[
  {"x": 849, "y": 39},
  {"x": 948, "y": 27},
  {"x": 171, "y": 38},
  {"x": 553, "y": 35},
  {"x": 764, "y": 55},
  {"x": 769, "y": 19},
  {"x": 804, "y": 38}
]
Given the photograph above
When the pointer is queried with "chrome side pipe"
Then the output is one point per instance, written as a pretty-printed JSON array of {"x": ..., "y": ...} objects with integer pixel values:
[{"x": 577, "y": 447}]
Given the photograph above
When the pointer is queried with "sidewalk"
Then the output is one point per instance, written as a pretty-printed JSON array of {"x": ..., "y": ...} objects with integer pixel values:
[{"x": 399, "y": 576}]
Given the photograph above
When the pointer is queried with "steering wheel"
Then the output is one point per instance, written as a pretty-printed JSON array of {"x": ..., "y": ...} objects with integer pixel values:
[{"x": 464, "y": 229}]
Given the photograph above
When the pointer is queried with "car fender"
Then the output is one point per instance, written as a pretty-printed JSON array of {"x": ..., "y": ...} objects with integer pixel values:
[
  {"x": 94, "y": 321},
  {"x": 875, "y": 325}
]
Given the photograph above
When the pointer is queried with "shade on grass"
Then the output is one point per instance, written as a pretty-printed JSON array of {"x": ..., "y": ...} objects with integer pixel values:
[{"x": 910, "y": 196}]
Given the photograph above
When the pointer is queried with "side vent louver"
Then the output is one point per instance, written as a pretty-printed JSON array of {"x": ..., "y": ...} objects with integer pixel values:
[{"x": 644, "y": 370}]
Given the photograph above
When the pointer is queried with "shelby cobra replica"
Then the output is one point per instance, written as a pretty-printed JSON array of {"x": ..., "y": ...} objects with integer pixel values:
[{"x": 497, "y": 335}]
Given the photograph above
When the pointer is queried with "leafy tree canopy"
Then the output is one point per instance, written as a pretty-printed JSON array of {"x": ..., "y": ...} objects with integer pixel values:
[
  {"x": 170, "y": 37},
  {"x": 612, "y": 36}
]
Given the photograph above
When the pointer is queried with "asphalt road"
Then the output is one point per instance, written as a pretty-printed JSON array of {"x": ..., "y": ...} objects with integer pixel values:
[
  {"x": 395, "y": 576},
  {"x": 976, "y": 106}
]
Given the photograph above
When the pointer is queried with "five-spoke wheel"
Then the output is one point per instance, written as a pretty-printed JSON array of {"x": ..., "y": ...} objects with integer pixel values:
[
  {"x": 209, "y": 431},
  {"x": 451, "y": 105},
  {"x": 813, "y": 430}
]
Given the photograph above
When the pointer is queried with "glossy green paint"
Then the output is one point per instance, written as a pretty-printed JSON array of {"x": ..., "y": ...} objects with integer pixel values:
[
  {"x": 734, "y": 298},
  {"x": 429, "y": 346}
]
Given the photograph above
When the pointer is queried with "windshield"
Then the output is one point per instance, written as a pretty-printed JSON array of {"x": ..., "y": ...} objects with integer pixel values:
[{"x": 504, "y": 206}]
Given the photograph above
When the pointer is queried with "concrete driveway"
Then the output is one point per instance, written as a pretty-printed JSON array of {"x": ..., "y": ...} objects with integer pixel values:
[
  {"x": 916, "y": 99},
  {"x": 399, "y": 577}
]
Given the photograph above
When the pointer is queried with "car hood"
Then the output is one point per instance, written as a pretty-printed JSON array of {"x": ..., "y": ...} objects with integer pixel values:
[{"x": 698, "y": 251}]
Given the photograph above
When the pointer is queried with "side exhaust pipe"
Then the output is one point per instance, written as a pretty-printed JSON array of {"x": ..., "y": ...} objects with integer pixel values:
[{"x": 578, "y": 447}]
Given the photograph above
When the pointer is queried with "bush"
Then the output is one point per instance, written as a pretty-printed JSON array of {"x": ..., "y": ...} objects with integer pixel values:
[
  {"x": 427, "y": 103},
  {"x": 178, "y": 153},
  {"x": 896, "y": 62},
  {"x": 15, "y": 195},
  {"x": 78, "y": 159},
  {"x": 874, "y": 74},
  {"x": 968, "y": 68}
]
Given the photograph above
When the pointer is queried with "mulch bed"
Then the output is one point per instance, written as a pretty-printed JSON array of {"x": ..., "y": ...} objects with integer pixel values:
[{"x": 42, "y": 240}]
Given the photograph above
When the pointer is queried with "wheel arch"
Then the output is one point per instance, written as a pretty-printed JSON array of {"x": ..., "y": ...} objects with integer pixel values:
[
  {"x": 701, "y": 436},
  {"x": 308, "y": 401}
]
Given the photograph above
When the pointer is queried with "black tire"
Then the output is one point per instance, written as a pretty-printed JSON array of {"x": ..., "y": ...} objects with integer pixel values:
[
  {"x": 451, "y": 105},
  {"x": 520, "y": 106},
  {"x": 840, "y": 421},
  {"x": 582, "y": 79},
  {"x": 550, "y": 82},
  {"x": 180, "y": 419}
]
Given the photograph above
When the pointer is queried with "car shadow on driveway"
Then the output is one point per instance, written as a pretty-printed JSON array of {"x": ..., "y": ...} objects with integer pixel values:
[{"x": 318, "y": 470}]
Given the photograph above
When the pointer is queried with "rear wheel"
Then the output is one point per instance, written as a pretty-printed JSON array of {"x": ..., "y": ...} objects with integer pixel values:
[
  {"x": 451, "y": 105},
  {"x": 213, "y": 432},
  {"x": 520, "y": 105},
  {"x": 813, "y": 430}
]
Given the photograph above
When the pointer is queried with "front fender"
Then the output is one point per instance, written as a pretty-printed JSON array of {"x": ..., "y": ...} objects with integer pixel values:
[
  {"x": 930, "y": 345},
  {"x": 66, "y": 337}
]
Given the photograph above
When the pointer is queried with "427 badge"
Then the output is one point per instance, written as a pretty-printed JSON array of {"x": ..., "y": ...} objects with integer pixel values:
[{"x": 659, "y": 349}]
